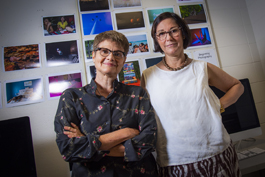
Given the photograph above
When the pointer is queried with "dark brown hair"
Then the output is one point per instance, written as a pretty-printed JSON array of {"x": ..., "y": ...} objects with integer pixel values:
[
  {"x": 114, "y": 36},
  {"x": 185, "y": 30}
]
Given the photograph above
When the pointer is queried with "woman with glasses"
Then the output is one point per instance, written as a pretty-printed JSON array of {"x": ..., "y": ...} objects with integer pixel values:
[
  {"x": 107, "y": 128},
  {"x": 191, "y": 139}
]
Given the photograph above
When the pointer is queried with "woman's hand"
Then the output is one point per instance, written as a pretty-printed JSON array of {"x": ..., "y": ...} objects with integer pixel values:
[
  {"x": 117, "y": 151},
  {"x": 73, "y": 131}
]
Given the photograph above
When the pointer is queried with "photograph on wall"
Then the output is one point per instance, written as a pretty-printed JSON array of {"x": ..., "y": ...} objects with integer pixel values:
[
  {"x": 154, "y": 12},
  {"x": 126, "y": 3},
  {"x": 138, "y": 44},
  {"x": 0, "y": 96},
  {"x": 61, "y": 53},
  {"x": 152, "y": 61},
  {"x": 187, "y": 1},
  {"x": 21, "y": 92},
  {"x": 200, "y": 37},
  {"x": 129, "y": 20},
  {"x": 130, "y": 73},
  {"x": 59, "y": 25},
  {"x": 208, "y": 55},
  {"x": 60, "y": 82},
  {"x": 21, "y": 57},
  {"x": 88, "y": 48},
  {"x": 193, "y": 14},
  {"x": 91, "y": 71},
  {"x": 90, "y": 5},
  {"x": 95, "y": 23}
]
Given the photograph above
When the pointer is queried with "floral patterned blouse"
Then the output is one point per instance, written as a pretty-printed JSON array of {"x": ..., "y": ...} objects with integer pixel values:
[{"x": 126, "y": 106}]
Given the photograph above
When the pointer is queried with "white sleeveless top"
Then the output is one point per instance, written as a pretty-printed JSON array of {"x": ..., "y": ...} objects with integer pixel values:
[{"x": 190, "y": 128}]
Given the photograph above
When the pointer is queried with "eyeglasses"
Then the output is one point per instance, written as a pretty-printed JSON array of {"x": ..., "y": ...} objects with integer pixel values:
[
  {"x": 104, "y": 52},
  {"x": 173, "y": 32}
]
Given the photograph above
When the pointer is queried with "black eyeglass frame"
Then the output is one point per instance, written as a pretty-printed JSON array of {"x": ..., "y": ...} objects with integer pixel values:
[
  {"x": 169, "y": 33},
  {"x": 99, "y": 48}
]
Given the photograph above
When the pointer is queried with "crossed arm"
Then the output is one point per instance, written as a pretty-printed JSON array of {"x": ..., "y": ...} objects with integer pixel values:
[{"x": 110, "y": 141}]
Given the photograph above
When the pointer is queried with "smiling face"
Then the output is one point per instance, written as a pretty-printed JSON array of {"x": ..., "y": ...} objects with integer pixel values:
[
  {"x": 171, "y": 45},
  {"x": 109, "y": 65}
]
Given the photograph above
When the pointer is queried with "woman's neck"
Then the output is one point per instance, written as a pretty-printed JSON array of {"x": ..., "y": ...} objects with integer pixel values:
[
  {"x": 104, "y": 85},
  {"x": 176, "y": 60}
]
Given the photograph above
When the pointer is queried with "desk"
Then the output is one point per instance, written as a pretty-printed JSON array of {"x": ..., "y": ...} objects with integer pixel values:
[{"x": 254, "y": 163}]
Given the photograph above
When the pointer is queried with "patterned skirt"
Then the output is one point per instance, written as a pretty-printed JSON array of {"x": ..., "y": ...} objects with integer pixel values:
[{"x": 224, "y": 164}]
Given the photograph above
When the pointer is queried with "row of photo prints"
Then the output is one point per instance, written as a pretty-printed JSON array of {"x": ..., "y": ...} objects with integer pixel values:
[
  {"x": 96, "y": 22},
  {"x": 31, "y": 90},
  {"x": 92, "y": 5},
  {"x": 66, "y": 52}
]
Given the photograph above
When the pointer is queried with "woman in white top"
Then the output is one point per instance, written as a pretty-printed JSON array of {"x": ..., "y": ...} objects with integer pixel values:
[{"x": 192, "y": 140}]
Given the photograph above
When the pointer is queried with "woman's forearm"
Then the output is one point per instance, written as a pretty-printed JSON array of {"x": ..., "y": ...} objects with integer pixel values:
[
  {"x": 232, "y": 95},
  {"x": 112, "y": 139}
]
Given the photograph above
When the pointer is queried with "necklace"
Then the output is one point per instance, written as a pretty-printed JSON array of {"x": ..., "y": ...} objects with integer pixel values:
[{"x": 178, "y": 68}]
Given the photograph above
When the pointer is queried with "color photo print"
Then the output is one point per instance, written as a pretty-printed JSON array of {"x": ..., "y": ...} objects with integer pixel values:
[
  {"x": 21, "y": 57},
  {"x": 90, "y": 5},
  {"x": 193, "y": 14},
  {"x": 200, "y": 37},
  {"x": 129, "y": 20},
  {"x": 60, "y": 82},
  {"x": 91, "y": 71},
  {"x": 88, "y": 48},
  {"x": 188, "y": 1},
  {"x": 153, "y": 13},
  {"x": 23, "y": 92},
  {"x": 126, "y": 3},
  {"x": 138, "y": 44},
  {"x": 152, "y": 61},
  {"x": 61, "y": 53},
  {"x": 95, "y": 23},
  {"x": 59, "y": 25},
  {"x": 130, "y": 73}
]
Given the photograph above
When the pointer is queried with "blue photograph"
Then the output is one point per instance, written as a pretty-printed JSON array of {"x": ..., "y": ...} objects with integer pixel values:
[
  {"x": 200, "y": 37},
  {"x": 24, "y": 92},
  {"x": 95, "y": 23}
]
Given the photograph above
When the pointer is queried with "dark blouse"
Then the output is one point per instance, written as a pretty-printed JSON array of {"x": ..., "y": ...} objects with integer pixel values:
[{"x": 126, "y": 106}]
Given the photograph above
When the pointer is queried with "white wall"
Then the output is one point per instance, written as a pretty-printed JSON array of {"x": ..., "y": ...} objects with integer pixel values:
[
  {"x": 256, "y": 14},
  {"x": 239, "y": 45},
  {"x": 22, "y": 24}
]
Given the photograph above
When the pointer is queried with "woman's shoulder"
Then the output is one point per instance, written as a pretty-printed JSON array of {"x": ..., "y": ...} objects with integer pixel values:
[
  {"x": 199, "y": 63},
  {"x": 149, "y": 69},
  {"x": 71, "y": 91}
]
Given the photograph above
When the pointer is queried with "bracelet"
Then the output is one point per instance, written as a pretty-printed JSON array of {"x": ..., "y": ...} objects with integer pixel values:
[{"x": 222, "y": 109}]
